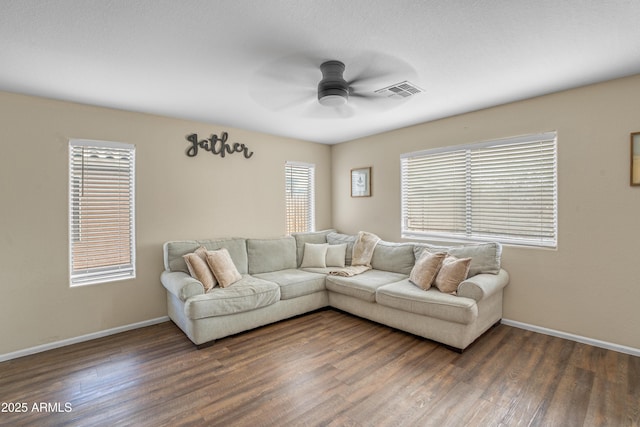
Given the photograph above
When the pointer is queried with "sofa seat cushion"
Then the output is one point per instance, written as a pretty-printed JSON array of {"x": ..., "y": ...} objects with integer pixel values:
[
  {"x": 248, "y": 293},
  {"x": 363, "y": 286},
  {"x": 406, "y": 296},
  {"x": 295, "y": 283}
]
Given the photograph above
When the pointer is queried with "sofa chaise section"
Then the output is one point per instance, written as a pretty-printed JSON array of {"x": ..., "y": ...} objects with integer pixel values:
[{"x": 452, "y": 320}]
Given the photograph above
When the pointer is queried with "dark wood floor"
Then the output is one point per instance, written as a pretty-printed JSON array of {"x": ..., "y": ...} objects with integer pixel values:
[{"x": 323, "y": 369}]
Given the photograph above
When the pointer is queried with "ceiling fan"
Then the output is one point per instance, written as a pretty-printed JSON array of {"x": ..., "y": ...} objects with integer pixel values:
[
  {"x": 333, "y": 89},
  {"x": 374, "y": 83}
]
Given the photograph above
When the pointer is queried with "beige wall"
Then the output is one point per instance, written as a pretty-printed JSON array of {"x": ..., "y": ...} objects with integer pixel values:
[
  {"x": 177, "y": 198},
  {"x": 590, "y": 285}
]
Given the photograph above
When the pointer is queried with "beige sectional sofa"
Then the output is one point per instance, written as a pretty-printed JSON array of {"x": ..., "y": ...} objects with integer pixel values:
[{"x": 278, "y": 282}]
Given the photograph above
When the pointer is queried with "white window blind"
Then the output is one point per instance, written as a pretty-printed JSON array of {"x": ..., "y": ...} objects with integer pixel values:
[
  {"x": 300, "y": 197},
  {"x": 503, "y": 190},
  {"x": 101, "y": 211}
]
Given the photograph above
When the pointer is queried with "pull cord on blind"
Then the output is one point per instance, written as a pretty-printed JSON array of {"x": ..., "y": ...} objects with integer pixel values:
[
  {"x": 300, "y": 197},
  {"x": 101, "y": 211},
  {"x": 504, "y": 190}
]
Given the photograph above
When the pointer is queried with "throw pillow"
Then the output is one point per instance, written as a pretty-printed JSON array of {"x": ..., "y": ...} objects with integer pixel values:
[
  {"x": 426, "y": 269},
  {"x": 363, "y": 248},
  {"x": 338, "y": 238},
  {"x": 223, "y": 267},
  {"x": 315, "y": 255},
  {"x": 452, "y": 273},
  {"x": 199, "y": 269},
  {"x": 336, "y": 255}
]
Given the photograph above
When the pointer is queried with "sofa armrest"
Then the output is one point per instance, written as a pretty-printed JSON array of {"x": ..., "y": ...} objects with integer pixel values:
[
  {"x": 181, "y": 284},
  {"x": 481, "y": 286}
]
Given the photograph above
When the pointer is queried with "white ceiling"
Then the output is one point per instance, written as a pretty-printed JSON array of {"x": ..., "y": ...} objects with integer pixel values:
[{"x": 253, "y": 64}]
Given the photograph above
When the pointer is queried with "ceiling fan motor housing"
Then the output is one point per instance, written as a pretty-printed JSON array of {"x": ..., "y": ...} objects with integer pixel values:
[{"x": 333, "y": 88}]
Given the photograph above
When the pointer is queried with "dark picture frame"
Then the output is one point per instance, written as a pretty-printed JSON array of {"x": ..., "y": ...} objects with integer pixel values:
[{"x": 635, "y": 159}]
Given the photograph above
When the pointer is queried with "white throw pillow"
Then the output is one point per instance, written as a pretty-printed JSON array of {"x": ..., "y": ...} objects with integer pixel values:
[
  {"x": 336, "y": 255},
  {"x": 315, "y": 255}
]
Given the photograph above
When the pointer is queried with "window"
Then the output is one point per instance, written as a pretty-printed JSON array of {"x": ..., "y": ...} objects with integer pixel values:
[
  {"x": 300, "y": 197},
  {"x": 503, "y": 190},
  {"x": 101, "y": 212}
]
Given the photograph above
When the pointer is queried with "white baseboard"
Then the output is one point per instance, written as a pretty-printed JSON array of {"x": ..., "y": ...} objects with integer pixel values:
[
  {"x": 50, "y": 346},
  {"x": 577, "y": 338},
  {"x": 82, "y": 338}
]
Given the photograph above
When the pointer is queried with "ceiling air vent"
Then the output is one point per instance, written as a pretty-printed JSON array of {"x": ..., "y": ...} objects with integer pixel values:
[{"x": 403, "y": 89}]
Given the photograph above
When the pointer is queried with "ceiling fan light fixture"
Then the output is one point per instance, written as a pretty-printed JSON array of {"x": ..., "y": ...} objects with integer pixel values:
[{"x": 333, "y": 99}]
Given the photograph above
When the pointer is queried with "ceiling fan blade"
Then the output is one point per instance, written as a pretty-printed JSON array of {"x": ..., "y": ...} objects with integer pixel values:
[
  {"x": 374, "y": 103},
  {"x": 298, "y": 68},
  {"x": 370, "y": 78},
  {"x": 286, "y": 83},
  {"x": 315, "y": 110},
  {"x": 370, "y": 71},
  {"x": 275, "y": 98},
  {"x": 270, "y": 77},
  {"x": 367, "y": 96},
  {"x": 345, "y": 111}
]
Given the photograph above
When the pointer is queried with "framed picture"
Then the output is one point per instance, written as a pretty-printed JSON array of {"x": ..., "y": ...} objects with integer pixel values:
[
  {"x": 635, "y": 158},
  {"x": 361, "y": 182}
]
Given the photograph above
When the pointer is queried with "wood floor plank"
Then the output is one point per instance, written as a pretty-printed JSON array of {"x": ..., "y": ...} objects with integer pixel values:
[
  {"x": 506, "y": 386},
  {"x": 607, "y": 404},
  {"x": 570, "y": 402},
  {"x": 450, "y": 408},
  {"x": 326, "y": 368}
]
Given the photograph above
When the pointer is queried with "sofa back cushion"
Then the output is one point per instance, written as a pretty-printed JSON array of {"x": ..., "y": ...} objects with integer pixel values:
[
  {"x": 314, "y": 237},
  {"x": 485, "y": 257},
  {"x": 267, "y": 255},
  {"x": 394, "y": 257},
  {"x": 237, "y": 248},
  {"x": 174, "y": 250}
]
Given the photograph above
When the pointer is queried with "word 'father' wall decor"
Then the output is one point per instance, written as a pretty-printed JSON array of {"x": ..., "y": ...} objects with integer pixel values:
[{"x": 216, "y": 145}]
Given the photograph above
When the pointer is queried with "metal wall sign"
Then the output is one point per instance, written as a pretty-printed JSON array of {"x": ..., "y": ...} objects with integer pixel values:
[{"x": 216, "y": 145}]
